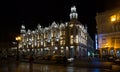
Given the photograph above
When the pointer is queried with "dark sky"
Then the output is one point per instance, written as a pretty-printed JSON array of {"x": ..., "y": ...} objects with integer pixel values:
[{"x": 32, "y": 12}]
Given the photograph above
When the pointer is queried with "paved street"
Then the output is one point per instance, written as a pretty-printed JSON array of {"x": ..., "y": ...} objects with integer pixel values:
[
  {"x": 26, "y": 67},
  {"x": 81, "y": 66}
]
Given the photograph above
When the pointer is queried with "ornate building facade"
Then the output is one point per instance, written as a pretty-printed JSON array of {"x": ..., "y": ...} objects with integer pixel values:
[
  {"x": 108, "y": 28},
  {"x": 67, "y": 39}
]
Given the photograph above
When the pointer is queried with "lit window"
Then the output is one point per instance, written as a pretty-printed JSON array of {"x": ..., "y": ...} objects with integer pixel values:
[
  {"x": 32, "y": 45},
  {"x": 48, "y": 40},
  {"x": 28, "y": 50},
  {"x": 47, "y": 48},
  {"x": 71, "y": 36},
  {"x": 61, "y": 42},
  {"x": 35, "y": 43},
  {"x": 41, "y": 49},
  {"x": 76, "y": 38},
  {"x": 57, "y": 39},
  {"x": 118, "y": 52},
  {"x": 63, "y": 32},
  {"x": 32, "y": 38},
  {"x": 38, "y": 45},
  {"x": 67, "y": 48},
  {"x": 56, "y": 48},
  {"x": 61, "y": 38},
  {"x": 64, "y": 42},
  {"x": 71, "y": 39},
  {"x": 27, "y": 46},
  {"x": 52, "y": 43},
  {"x": 61, "y": 51},
  {"x": 103, "y": 40},
  {"x": 38, "y": 37},
  {"x": 61, "y": 47},
  {"x": 45, "y": 35},
  {"x": 29, "y": 43},
  {"x": 71, "y": 46},
  {"x": 53, "y": 51},
  {"x": 27, "y": 39},
  {"x": 41, "y": 43},
  {"x": 24, "y": 43},
  {"x": 51, "y": 34},
  {"x": 44, "y": 44},
  {"x": 71, "y": 25}
]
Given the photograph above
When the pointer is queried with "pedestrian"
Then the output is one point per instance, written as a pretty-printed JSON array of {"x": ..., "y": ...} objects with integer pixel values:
[
  {"x": 31, "y": 59},
  {"x": 65, "y": 60}
]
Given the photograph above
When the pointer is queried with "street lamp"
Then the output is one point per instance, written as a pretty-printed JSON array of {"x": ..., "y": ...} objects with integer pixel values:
[
  {"x": 113, "y": 18},
  {"x": 18, "y": 38},
  {"x": 114, "y": 21}
]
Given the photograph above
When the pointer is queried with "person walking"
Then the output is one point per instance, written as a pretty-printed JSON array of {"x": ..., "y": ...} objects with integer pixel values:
[{"x": 65, "y": 60}]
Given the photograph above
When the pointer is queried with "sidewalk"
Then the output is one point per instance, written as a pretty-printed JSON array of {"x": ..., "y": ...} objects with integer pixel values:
[{"x": 91, "y": 63}]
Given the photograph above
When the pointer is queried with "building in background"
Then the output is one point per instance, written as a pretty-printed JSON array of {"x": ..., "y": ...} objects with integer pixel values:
[
  {"x": 67, "y": 39},
  {"x": 90, "y": 46},
  {"x": 108, "y": 29}
]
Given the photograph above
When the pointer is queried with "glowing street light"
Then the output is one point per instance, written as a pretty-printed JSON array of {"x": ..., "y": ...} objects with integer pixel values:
[
  {"x": 18, "y": 38},
  {"x": 113, "y": 18}
]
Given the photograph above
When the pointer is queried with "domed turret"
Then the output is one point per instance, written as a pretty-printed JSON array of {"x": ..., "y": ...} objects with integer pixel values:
[{"x": 73, "y": 14}]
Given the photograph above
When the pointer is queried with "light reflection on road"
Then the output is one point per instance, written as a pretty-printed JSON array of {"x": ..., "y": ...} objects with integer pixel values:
[{"x": 27, "y": 67}]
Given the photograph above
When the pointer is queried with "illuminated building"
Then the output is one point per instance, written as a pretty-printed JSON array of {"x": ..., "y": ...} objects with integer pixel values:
[
  {"x": 67, "y": 39},
  {"x": 108, "y": 28}
]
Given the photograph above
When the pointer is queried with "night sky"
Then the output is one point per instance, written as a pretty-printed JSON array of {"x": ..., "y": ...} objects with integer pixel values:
[{"x": 31, "y": 12}]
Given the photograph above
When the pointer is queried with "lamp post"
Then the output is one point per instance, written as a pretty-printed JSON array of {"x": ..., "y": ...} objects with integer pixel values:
[
  {"x": 18, "y": 38},
  {"x": 114, "y": 21},
  {"x": 30, "y": 52}
]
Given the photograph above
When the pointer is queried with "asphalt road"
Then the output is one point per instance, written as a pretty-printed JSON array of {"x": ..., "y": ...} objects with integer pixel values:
[{"x": 27, "y": 67}]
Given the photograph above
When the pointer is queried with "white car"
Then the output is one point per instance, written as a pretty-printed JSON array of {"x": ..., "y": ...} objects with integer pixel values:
[
  {"x": 117, "y": 61},
  {"x": 70, "y": 59}
]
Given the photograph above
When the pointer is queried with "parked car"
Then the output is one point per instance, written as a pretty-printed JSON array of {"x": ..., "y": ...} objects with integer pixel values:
[
  {"x": 117, "y": 61},
  {"x": 111, "y": 58}
]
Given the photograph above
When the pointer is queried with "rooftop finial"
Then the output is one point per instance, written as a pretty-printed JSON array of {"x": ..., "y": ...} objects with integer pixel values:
[{"x": 73, "y": 9}]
